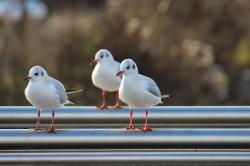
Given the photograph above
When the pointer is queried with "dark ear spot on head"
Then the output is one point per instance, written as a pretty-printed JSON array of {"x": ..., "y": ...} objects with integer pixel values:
[
  {"x": 42, "y": 73},
  {"x": 133, "y": 66}
]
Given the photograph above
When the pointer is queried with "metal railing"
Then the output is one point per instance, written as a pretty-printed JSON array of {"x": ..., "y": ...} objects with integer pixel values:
[
  {"x": 159, "y": 117},
  {"x": 148, "y": 158},
  {"x": 187, "y": 131},
  {"x": 121, "y": 138}
]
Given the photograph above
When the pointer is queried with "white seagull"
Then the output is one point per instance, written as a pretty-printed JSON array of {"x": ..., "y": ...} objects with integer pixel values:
[
  {"x": 45, "y": 92},
  {"x": 104, "y": 76},
  {"x": 138, "y": 90}
]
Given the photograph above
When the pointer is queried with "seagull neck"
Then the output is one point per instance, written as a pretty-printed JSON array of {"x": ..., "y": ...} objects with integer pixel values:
[
  {"x": 103, "y": 63},
  {"x": 108, "y": 61},
  {"x": 130, "y": 75}
]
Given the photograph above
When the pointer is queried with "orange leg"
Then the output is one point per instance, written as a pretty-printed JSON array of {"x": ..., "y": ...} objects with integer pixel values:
[
  {"x": 52, "y": 127},
  {"x": 146, "y": 127},
  {"x": 117, "y": 104},
  {"x": 38, "y": 121},
  {"x": 130, "y": 127},
  {"x": 104, "y": 105}
]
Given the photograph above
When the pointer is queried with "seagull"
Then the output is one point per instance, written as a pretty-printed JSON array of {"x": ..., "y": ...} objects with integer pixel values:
[
  {"x": 137, "y": 90},
  {"x": 104, "y": 76},
  {"x": 45, "y": 92}
]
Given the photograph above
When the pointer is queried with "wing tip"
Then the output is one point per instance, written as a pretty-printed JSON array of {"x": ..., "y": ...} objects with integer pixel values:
[
  {"x": 70, "y": 91},
  {"x": 165, "y": 96}
]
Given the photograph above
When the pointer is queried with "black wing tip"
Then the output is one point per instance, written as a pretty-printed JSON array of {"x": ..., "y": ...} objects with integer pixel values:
[{"x": 74, "y": 90}]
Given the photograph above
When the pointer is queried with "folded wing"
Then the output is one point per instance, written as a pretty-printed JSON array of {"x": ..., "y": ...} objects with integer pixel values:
[{"x": 152, "y": 87}]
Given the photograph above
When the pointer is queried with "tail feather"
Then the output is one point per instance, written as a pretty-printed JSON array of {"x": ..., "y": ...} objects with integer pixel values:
[
  {"x": 163, "y": 97},
  {"x": 71, "y": 91},
  {"x": 69, "y": 102}
]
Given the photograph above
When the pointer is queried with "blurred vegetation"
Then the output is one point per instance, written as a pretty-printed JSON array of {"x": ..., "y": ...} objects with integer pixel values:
[{"x": 196, "y": 50}]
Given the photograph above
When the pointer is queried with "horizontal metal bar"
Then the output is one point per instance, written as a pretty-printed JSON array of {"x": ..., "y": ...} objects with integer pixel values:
[
  {"x": 125, "y": 157},
  {"x": 123, "y": 125},
  {"x": 87, "y": 116},
  {"x": 120, "y": 138}
]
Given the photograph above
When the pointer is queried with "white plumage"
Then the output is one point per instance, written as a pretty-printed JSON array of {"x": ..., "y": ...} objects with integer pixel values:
[
  {"x": 137, "y": 90},
  {"x": 45, "y": 92},
  {"x": 104, "y": 75}
]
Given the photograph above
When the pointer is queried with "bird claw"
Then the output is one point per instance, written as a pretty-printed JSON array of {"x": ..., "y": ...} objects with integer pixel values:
[
  {"x": 51, "y": 130},
  {"x": 116, "y": 106},
  {"x": 38, "y": 129},
  {"x": 102, "y": 107},
  {"x": 130, "y": 127},
  {"x": 145, "y": 129}
]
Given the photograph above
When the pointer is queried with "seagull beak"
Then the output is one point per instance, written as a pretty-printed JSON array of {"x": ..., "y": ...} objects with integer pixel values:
[
  {"x": 119, "y": 73},
  {"x": 26, "y": 78},
  {"x": 94, "y": 62}
]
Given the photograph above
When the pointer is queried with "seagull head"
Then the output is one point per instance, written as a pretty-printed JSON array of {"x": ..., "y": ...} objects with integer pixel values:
[
  {"x": 127, "y": 67},
  {"x": 102, "y": 55},
  {"x": 36, "y": 73}
]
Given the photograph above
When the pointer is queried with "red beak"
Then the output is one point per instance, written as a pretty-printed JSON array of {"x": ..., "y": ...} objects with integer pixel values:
[
  {"x": 94, "y": 62},
  {"x": 26, "y": 78},
  {"x": 119, "y": 73}
]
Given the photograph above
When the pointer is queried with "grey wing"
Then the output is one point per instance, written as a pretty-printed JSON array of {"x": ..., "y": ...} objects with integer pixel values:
[
  {"x": 60, "y": 90},
  {"x": 152, "y": 87}
]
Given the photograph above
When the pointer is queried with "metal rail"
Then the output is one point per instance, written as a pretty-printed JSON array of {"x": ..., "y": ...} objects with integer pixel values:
[
  {"x": 25, "y": 146},
  {"x": 153, "y": 158},
  {"x": 90, "y": 117},
  {"x": 118, "y": 138}
]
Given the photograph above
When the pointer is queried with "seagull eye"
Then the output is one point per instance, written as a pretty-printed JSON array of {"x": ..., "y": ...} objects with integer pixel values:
[
  {"x": 133, "y": 66},
  {"x": 36, "y": 74},
  {"x": 128, "y": 67},
  {"x": 101, "y": 56}
]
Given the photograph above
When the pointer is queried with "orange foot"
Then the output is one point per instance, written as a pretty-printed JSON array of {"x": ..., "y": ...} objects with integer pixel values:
[
  {"x": 38, "y": 128},
  {"x": 102, "y": 107},
  {"x": 130, "y": 127},
  {"x": 117, "y": 106},
  {"x": 145, "y": 129},
  {"x": 51, "y": 130}
]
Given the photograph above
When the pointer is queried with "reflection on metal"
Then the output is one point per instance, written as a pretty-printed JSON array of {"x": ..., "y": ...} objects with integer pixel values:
[
  {"x": 125, "y": 157},
  {"x": 223, "y": 131},
  {"x": 90, "y": 117},
  {"x": 118, "y": 138}
]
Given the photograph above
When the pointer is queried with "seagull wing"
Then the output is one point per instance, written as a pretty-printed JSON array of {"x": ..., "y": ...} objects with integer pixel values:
[
  {"x": 60, "y": 90},
  {"x": 152, "y": 87}
]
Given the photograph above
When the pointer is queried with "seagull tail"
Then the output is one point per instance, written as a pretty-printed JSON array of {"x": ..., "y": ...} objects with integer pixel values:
[
  {"x": 164, "y": 96},
  {"x": 71, "y": 91},
  {"x": 69, "y": 102}
]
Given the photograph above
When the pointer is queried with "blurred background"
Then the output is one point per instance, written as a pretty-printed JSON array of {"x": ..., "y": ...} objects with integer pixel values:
[{"x": 196, "y": 50}]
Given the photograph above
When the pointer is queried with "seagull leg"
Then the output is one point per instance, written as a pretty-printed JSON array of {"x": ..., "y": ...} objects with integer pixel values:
[
  {"x": 130, "y": 127},
  {"x": 38, "y": 121},
  {"x": 52, "y": 127},
  {"x": 146, "y": 127},
  {"x": 104, "y": 105},
  {"x": 117, "y": 104}
]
